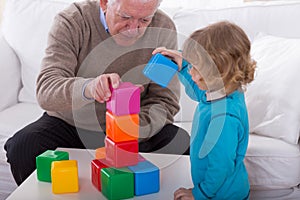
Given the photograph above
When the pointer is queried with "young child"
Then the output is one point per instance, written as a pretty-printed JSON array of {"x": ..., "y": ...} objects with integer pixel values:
[{"x": 219, "y": 65}]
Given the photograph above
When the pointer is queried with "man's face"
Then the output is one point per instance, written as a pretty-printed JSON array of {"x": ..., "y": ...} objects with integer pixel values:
[{"x": 127, "y": 20}]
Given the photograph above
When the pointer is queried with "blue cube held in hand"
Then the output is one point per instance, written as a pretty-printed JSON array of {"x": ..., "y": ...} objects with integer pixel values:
[{"x": 160, "y": 69}]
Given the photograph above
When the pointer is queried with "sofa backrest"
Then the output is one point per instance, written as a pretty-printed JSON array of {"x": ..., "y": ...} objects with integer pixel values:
[
  {"x": 278, "y": 18},
  {"x": 25, "y": 27}
]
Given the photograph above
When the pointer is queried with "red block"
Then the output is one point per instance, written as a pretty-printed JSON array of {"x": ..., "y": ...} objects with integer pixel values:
[
  {"x": 97, "y": 165},
  {"x": 122, "y": 154}
]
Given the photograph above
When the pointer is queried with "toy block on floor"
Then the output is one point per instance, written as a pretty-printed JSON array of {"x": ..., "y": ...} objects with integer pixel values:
[
  {"x": 64, "y": 176},
  {"x": 43, "y": 163},
  {"x": 146, "y": 178},
  {"x": 160, "y": 69},
  {"x": 121, "y": 154},
  {"x": 124, "y": 100},
  {"x": 100, "y": 153},
  {"x": 122, "y": 128},
  {"x": 96, "y": 166},
  {"x": 117, "y": 183}
]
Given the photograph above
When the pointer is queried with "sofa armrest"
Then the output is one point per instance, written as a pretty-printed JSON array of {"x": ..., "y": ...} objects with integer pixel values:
[{"x": 10, "y": 75}]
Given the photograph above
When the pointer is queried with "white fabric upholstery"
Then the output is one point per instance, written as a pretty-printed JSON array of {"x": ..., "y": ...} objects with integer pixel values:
[
  {"x": 270, "y": 18},
  {"x": 9, "y": 75},
  {"x": 254, "y": 17},
  {"x": 272, "y": 163},
  {"x": 26, "y": 24},
  {"x": 16, "y": 117},
  {"x": 273, "y": 98}
]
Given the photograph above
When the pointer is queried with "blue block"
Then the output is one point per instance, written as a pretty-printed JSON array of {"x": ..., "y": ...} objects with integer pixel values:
[
  {"x": 146, "y": 178},
  {"x": 160, "y": 69}
]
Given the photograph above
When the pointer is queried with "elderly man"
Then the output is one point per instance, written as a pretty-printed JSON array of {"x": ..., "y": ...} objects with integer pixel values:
[{"x": 91, "y": 46}]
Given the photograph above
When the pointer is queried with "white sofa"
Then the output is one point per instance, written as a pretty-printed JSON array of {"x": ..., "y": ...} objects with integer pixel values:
[{"x": 273, "y": 156}]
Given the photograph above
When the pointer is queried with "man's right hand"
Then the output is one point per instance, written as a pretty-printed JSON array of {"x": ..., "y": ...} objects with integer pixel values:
[{"x": 98, "y": 88}]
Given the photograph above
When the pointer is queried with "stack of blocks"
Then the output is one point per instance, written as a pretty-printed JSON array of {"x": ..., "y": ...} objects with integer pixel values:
[
  {"x": 56, "y": 168},
  {"x": 118, "y": 171}
]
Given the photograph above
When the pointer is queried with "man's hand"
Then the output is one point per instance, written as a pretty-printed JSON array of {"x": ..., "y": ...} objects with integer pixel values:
[
  {"x": 183, "y": 194},
  {"x": 98, "y": 88}
]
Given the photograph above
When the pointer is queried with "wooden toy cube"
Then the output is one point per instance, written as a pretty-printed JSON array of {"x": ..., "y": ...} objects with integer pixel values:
[
  {"x": 100, "y": 153},
  {"x": 122, "y": 128},
  {"x": 117, "y": 183},
  {"x": 160, "y": 69},
  {"x": 121, "y": 154},
  {"x": 124, "y": 100},
  {"x": 146, "y": 178},
  {"x": 64, "y": 176},
  {"x": 43, "y": 163},
  {"x": 96, "y": 166}
]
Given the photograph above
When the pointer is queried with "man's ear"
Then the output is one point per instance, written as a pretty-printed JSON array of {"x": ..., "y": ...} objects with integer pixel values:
[{"x": 103, "y": 4}]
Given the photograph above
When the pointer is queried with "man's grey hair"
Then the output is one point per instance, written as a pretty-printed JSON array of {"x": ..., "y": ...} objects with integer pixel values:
[{"x": 110, "y": 2}]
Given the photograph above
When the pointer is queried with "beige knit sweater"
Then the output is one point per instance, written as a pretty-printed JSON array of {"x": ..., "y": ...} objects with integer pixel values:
[{"x": 80, "y": 49}]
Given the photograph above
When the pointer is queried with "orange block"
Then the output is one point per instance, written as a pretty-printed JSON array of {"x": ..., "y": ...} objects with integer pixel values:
[
  {"x": 122, "y": 128},
  {"x": 100, "y": 153}
]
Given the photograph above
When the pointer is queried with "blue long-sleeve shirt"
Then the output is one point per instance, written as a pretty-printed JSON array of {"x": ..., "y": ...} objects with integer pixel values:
[{"x": 219, "y": 142}]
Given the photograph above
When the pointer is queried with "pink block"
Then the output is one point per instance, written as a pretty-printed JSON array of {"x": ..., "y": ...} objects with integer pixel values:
[
  {"x": 121, "y": 154},
  {"x": 124, "y": 100}
]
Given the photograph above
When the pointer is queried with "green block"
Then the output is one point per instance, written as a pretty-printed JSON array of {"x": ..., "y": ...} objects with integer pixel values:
[
  {"x": 117, "y": 183},
  {"x": 43, "y": 163}
]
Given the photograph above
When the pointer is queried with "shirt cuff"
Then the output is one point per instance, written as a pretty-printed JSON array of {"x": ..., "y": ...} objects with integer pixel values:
[{"x": 83, "y": 89}]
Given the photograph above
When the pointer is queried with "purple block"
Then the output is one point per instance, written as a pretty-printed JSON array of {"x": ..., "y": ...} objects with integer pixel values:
[{"x": 125, "y": 99}]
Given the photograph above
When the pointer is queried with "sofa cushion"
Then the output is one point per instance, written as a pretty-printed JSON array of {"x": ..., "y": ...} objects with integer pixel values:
[
  {"x": 273, "y": 98},
  {"x": 9, "y": 64},
  {"x": 272, "y": 163},
  {"x": 25, "y": 26},
  {"x": 18, "y": 116}
]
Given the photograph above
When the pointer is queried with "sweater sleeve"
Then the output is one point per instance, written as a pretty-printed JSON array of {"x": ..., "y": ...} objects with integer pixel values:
[
  {"x": 222, "y": 135},
  {"x": 58, "y": 88}
]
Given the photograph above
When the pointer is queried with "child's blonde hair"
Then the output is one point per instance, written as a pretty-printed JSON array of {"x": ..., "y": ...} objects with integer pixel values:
[{"x": 221, "y": 54}]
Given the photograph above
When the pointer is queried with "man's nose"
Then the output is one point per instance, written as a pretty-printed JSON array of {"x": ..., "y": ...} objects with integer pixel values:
[
  {"x": 133, "y": 27},
  {"x": 133, "y": 24}
]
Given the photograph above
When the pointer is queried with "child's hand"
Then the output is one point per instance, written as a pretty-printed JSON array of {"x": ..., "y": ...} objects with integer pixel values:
[
  {"x": 183, "y": 194},
  {"x": 176, "y": 56}
]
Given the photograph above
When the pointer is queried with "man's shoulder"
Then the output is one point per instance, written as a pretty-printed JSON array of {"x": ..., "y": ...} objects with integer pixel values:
[
  {"x": 161, "y": 19},
  {"x": 81, "y": 9}
]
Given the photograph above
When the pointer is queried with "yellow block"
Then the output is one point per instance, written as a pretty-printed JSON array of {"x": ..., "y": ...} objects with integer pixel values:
[{"x": 64, "y": 175}]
